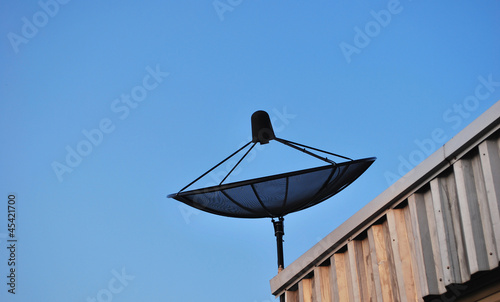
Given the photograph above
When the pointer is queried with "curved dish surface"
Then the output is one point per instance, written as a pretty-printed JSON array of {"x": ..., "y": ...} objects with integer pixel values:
[{"x": 276, "y": 195}]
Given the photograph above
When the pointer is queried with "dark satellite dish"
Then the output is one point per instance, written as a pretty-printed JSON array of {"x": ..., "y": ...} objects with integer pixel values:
[{"x": 277, "y": 195}]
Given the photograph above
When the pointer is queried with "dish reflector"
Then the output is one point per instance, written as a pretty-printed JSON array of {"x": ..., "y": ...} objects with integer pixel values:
[{"x": 277, "y": 195}]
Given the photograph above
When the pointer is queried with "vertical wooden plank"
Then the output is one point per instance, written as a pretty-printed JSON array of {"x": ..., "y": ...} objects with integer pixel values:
[
  {"x": 292, "y": 296},
  {"x": 369, "y": 271},
  {"x": 402, "y": 255},
  {"x": 314, "y": 298},
  {"x": 340, "y": 278},
  {"x": 351, "y": 287},
  {"x": 490, "y": 251},
  {"x": 316, "y": 285},
  {"x": 353, "y": 270},
  {"x": 334, "y": 279},
  {"x": 406, "y": 247},
  {"x": 425, "y": 244},
  {"x": 460, "y": 268},
  {"x": 362, "y": 270},
  {"x": 442, "y": 217},
  {"x": 392, "y": 264},
  {"x": 381, "y": 271},
  {"x": 436, "y": 266},
  {"x": 398, "y": 263},
  {"x": 415, "y": 220},
  {"x": 372, "y": 273},
  {"x": 460, "y": 171},
  {"x": 326, "y": 290},
  {"x": 490, "y": 160},
  {"x": 471, "y": 215},
  {"x": 322, "y": 290},
  {"x": 305, "y": 290}
]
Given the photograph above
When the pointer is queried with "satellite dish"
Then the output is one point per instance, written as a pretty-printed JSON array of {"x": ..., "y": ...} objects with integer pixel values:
[{"x": 277, "y": 195}]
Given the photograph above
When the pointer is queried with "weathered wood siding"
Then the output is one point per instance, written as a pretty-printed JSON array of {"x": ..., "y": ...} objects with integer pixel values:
[{"x": 439, "y": 234}]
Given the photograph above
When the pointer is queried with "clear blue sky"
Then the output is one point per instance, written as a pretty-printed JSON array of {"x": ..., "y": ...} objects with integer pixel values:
[{"x": 152, "y": 94}]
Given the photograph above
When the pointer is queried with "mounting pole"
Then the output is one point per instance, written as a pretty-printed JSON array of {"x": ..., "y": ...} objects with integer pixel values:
[{"x": 279, "y": 232}]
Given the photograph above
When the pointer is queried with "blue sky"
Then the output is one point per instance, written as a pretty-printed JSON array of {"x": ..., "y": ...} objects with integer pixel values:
[{"x": 107, "y": 107}]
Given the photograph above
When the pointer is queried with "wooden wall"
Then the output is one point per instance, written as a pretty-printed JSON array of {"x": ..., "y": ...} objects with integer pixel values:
[{"x": 438, "y": 236}]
